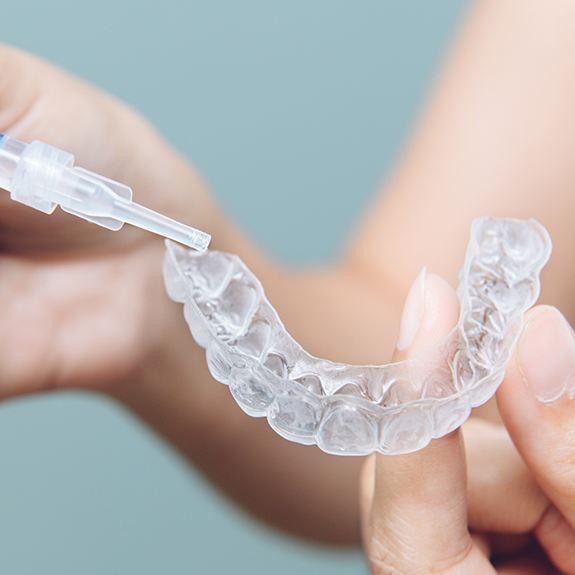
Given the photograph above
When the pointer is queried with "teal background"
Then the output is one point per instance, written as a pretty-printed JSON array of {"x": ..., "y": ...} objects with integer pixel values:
[{"x": 293, "y": 111}]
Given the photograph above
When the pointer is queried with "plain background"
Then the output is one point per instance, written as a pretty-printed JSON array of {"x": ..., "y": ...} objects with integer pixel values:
[{"x": 294, "y": 112}]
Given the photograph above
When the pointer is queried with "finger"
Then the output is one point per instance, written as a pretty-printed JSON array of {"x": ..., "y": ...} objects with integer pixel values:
[
  {"x": 502, "y": 495},
  {"x": 536, "y": 404},
  {"x": 528, "y": 564},
  {"x": 557, "y": 537},
  {"x": 39, "y": 101},
  {"x": 414, "y": 505}
]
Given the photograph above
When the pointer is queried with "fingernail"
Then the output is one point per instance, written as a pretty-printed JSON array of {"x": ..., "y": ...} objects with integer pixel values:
[
  {"x": 546, "y": 355},
  {"x": 412, "y": 312}
]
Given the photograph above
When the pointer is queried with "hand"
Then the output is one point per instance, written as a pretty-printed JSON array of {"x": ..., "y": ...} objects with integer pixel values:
[
  {"x": 83, "y": 306},
  {"x": 415, "y": 506},
  {"x": 86, "y": 307}
]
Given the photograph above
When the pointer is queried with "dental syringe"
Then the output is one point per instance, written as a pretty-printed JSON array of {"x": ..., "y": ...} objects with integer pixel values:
[{"x": 43, "y": 177}]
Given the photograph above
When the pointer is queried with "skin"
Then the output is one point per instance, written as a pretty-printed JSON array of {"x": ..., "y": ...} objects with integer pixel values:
[{"x": 86, "y": 308}]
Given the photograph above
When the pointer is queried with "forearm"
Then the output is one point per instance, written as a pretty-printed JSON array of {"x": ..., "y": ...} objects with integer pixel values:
[{"x": 495, "y": 138}]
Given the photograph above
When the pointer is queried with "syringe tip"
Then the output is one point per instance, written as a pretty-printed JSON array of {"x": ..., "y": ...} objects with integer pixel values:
[{"x": 199, "y": 240}]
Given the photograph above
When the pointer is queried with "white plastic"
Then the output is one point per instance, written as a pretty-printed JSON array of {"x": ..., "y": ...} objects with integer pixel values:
[
  {"x": 355, "y": 410},
  {"x": 43, "y": 177}
]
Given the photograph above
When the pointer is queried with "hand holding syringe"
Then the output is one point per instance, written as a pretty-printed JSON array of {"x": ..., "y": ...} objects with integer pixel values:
[{"x": 43, "y": 177}]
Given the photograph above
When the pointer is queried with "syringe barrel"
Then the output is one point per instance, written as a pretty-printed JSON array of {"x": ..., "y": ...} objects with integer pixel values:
[
  {"x": 10, "y": 153},
  {"x": 42, "y": 176},
  {"x": 31, "y": 173}
]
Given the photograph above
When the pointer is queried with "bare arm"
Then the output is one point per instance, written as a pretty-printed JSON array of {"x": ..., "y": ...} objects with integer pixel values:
[{"x": 496, "y": 138}]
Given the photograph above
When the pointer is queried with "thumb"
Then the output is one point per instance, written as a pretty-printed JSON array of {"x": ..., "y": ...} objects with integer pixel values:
[
  {"x": 536, "y": 403},
  {"x": 40, "y": 101},
  {"x": 414, "y": 505}
]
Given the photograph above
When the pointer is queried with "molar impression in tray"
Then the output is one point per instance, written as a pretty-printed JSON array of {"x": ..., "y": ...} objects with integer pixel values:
[{"x": 356, "y": 410}]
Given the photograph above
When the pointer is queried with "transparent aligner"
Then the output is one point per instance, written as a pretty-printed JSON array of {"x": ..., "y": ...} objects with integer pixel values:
[{"x": 356, "y": 410}]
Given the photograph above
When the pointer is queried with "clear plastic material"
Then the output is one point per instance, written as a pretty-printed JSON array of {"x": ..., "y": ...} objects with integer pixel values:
[
  {"x": 356, "y": 410},
  {"x": 43, "y": 177}
]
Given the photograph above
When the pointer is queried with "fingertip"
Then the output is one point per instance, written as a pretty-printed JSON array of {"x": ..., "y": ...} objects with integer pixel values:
[
  {"x": 441, "y": 311},
  {"x": 430, "y": 313},
  {"x": 546, "y": 354},
  {"x": 542, "y": 370}
]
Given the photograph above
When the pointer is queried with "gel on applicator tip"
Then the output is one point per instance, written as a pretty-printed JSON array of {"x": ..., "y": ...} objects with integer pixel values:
[{"x": 43, "y": 177}]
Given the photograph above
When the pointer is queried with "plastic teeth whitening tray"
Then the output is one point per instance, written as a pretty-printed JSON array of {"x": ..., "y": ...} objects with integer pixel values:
[
  {"x": 43, "y": 177},
  {"x": 355, "y": 410}
]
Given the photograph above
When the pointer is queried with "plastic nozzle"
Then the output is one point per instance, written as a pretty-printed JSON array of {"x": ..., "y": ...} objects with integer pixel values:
[{"x": 43, "y": 177}]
